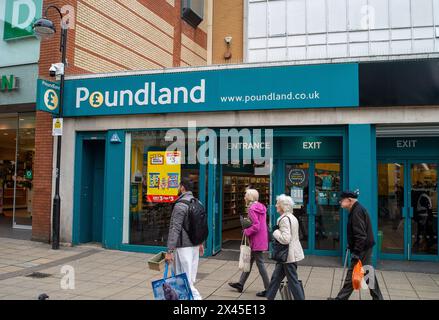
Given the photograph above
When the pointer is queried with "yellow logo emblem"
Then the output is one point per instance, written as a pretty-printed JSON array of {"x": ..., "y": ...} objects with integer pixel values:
[
  {"x": 51, "y": 99},
  {"x": 96, "y": 99}
]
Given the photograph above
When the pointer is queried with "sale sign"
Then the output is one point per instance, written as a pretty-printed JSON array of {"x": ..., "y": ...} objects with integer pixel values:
[{"x": 163, "y": 176}]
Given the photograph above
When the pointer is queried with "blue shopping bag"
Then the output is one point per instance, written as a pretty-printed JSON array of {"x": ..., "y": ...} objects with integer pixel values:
[{"x": 176, "y": 287}]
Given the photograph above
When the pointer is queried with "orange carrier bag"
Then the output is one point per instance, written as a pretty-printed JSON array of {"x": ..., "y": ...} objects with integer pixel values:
[{"x": 357, "y": 275}]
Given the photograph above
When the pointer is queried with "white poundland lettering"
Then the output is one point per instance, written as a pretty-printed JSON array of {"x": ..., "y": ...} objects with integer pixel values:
[
  {"x": 149, "y": 94},
  {"x": 401, "y": 144},
  {"x": 312, "y": 145}
]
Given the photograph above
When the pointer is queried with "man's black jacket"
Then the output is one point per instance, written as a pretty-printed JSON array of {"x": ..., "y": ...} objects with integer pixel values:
[{"x": 359, "y": 232}]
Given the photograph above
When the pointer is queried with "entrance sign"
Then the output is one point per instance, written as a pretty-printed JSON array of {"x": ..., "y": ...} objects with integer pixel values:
[{"x": 163, "y": 176}]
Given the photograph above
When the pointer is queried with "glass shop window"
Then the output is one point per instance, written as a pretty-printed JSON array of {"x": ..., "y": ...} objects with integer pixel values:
[{"x": 149, "y": 216}]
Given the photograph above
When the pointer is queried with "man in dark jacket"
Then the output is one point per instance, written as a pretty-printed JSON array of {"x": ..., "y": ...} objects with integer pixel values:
[
  {"x": 181, "y": 251},
  {"x": 360, "y": 242}
]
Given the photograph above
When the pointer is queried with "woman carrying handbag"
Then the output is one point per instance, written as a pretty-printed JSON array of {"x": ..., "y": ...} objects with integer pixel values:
[
  {"x": 255, "y": 229},
  {"x": 287, "y": 250}
]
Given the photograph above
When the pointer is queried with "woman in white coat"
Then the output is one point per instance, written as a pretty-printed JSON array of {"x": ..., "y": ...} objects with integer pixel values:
[{"x": 287, "y": 233}]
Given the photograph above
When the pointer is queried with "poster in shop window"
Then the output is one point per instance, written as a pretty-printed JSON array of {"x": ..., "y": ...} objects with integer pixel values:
[{"x": 163, "y": 176}]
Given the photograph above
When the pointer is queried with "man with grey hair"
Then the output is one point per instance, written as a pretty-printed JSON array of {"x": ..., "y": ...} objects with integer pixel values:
[{"x": 360, "y": 242}]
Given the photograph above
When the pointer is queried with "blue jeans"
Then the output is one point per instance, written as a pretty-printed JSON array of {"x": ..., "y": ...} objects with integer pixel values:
[{"x": 280, "y": 271}]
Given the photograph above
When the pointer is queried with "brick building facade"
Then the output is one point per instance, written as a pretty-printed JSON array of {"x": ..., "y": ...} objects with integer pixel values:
[{"x": 111, "y": 36}]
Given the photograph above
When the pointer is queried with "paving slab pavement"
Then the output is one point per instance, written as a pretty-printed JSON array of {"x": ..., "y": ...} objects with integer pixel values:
[{"x": 28, "y": 269}]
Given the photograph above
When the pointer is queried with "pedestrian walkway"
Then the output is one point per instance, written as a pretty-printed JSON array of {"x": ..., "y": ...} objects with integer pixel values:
[{"x": 28, "y": 269}]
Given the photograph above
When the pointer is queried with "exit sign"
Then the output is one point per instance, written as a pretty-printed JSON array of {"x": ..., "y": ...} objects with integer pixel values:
[
  {"x": 19, "y": 18},
  {"x": 8, "y": 83}
]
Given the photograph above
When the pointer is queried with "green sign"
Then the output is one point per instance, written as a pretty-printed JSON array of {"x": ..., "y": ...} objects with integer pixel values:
[
  {"x": 248, "y": 88},
  {"x": 28, "y": 174},
  {"x": 19, "y": 17},
  {"x": 8, "y": 83},
  {"x": 48, "y": 96}
]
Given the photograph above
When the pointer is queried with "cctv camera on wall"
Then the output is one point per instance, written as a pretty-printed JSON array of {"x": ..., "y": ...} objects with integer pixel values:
[{"x": 56, "y": 70}]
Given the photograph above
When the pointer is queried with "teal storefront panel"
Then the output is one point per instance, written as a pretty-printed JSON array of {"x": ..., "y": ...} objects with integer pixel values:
[
  {"x": 311, "y": 86},
  {"x": 114, "y": 189},
  {"x": 310, "y": 147},
  {"x": 362, "y": 173},
  {"x": 409, "y": 147}
]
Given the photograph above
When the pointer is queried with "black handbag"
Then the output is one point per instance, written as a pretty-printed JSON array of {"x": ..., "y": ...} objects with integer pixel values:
[{"x": 279, "y": 252}]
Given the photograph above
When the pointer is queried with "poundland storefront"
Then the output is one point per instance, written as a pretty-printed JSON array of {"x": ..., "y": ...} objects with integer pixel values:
[{"x": 300, "y": 130}]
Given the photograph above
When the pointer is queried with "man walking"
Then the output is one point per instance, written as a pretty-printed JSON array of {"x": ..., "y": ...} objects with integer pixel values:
[
  {"x": 360, "y": 242},
  {"x": 181, "y": 249}
]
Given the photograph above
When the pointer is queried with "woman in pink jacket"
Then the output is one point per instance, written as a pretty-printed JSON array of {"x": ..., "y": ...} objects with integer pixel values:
[{"x": 257, "y": 234}]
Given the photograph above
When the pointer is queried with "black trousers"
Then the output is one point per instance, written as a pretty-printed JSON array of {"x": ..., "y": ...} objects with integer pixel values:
[{"x": 374, "y": 288}]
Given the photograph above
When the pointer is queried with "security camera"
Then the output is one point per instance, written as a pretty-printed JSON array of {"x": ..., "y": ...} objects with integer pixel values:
[
  {"x": 228, "y": 40},
  {"x": 56, "y": 70},
  {"x": 52, "y": 70}
]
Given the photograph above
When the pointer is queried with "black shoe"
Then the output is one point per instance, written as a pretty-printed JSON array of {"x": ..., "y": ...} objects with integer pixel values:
[
  {"x": 330, "y": 298},
  {"x": 261, "y": 294},
  {"x": 237, "y": 286}
]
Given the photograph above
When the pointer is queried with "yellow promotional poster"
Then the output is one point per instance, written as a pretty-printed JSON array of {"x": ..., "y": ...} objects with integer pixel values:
[{"x": 164, "y": 169}]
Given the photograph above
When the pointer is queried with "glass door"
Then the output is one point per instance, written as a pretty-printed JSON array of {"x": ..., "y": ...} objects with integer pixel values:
[
  {"x": 297, "y": 186},
  {"x": 315, "y": 188},
  {"x": 392, "y": 209},
  {"x": 407, "y": 210},
  {"x": 327, "y": 177},
  {"x": 23, "y": 175},
  {"x": 423, "y": 210}
]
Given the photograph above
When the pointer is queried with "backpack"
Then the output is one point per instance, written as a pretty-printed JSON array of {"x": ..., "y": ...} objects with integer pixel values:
[{"x": 198, "y": 227}]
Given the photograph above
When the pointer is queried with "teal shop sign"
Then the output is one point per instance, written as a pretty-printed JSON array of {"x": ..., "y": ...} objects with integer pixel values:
[
  {"x": 311, "y": 86},
  {"x": 408, "y": 147},
  {"x": 19, "y": 17},
  {"x": 48, "y": 96},
  {"x": 311, "y": 147}
]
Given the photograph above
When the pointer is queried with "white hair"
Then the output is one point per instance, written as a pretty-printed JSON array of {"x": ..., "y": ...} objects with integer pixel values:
[
  {"x": 252, "y": 195},
  {"x": 285, "y": 202}
]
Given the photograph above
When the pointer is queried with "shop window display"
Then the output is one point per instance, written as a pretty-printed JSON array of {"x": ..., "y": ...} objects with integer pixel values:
[
  {"x": 17, "y": 150},
  {"x": 150, "y": 216}
]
